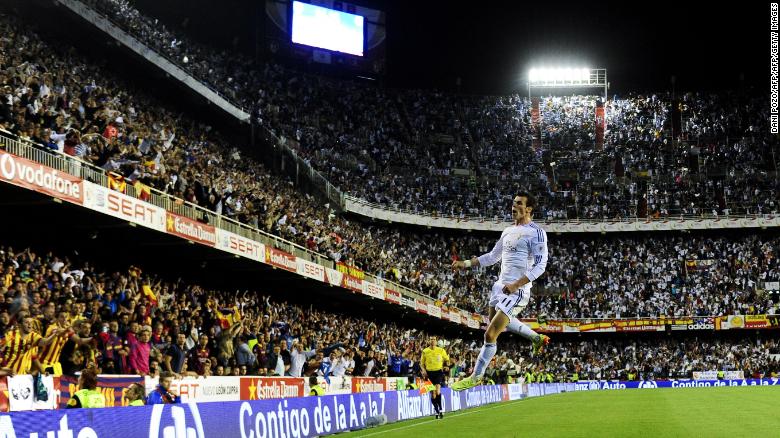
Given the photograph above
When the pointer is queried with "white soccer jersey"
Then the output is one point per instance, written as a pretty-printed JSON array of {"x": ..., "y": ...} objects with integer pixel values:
[{"x": 522, "y": 250}]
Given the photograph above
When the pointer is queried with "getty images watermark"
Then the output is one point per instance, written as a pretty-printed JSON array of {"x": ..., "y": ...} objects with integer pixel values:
[{"x": 773, "y": 52}]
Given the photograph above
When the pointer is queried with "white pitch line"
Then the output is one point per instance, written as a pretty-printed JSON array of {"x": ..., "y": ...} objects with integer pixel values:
[{"x": 449, "y": 416}]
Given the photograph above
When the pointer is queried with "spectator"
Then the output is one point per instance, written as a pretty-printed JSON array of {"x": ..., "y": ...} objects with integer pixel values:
[
  {"x": 135, "y": 395},
  {"x": 200, "y": 355},
  {"x": 18, "y": 345},
  {"x": 298, "y": 358},
  {"x": 88, "y": 396},
  {"x": 162, "y": 394},
  {"x": 176, "y": 355},
  {"x": 370, "y": 364},
  {"x": 315, "y": 387},
  {"x": 140, "y": 348}
]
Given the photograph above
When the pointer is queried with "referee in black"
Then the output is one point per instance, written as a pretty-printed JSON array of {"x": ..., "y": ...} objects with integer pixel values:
[{"x": 432, "y": 368}]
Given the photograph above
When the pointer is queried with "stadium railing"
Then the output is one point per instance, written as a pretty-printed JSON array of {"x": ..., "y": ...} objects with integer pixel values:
[
  {"x": 87, "y": 171},
  {"x": 681, "y": 222},
  {"x": 71, "y": 165}
]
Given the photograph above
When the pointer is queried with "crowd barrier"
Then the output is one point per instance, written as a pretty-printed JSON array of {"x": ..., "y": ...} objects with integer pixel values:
[
  {"x": 17, "y": 393},
  {"x": 596, "y": 385},
  {"x": 294, "y": 417},
  {"x": 297, "y": 416}
]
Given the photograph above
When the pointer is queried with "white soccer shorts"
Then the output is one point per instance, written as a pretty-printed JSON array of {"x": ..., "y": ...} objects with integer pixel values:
[{"x": 512, "y": 304}]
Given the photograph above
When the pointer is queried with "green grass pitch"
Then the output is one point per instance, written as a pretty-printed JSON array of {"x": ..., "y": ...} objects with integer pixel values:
[{"x": 674, "y": 412}]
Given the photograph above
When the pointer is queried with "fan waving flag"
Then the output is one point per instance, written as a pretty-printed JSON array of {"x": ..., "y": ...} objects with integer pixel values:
[{"x": 148, "y": 293}]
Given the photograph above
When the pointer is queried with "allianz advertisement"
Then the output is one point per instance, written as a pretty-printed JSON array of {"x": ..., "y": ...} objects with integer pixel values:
[
  {"x": 595, "y": 385},
  {"x": 293, "y": 418}
]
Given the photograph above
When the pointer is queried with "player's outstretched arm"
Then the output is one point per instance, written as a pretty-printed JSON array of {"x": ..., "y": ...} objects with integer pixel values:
[
  {"x": 465, "y": 264},
  {"x": 485, "y": 259}
]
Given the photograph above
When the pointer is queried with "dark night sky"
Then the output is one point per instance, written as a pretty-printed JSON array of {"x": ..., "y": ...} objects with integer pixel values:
[{"x": 491, "y": 44}]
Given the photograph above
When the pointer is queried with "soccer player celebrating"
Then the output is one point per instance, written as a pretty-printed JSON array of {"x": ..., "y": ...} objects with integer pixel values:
[
  {"x": 520, "y": 245},
  {"x": 432, "y": 368}
]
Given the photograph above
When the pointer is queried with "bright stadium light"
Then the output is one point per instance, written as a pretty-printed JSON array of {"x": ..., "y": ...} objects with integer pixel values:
[
  {"x": 567, "y": 77},
  {"x": 558, "y": 76}
]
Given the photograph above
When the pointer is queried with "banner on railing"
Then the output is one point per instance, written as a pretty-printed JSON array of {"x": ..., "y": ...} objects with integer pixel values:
[
  {"x": 465, "y": 317},
  {"x": 749, "y": 322},
  {"x": 240, "y": 246},
  {"x": 43, "y": 179},
  {"x": 373, "y": 290},
  {"x": 334, "y": 277},
  {"x": 421, "y": 306},
  {"x": 368, "y": 384},
  {"x": 124, "y": 207},
  {"x": 336, "y": 385},
  {"x": 281, "y": 259},
  {"x": 713, "y": 375},
  {"x": 353, "y": 284},
  {"x": 595, "y": 385},
  {"x": 190, "y": 229},
  {"x": 310, "y": 270},
  {"x": 22, "y": 397},
  {"x": 378, "y": 384},
  {"x": 209, "y": 389},
  {"x": 262, "y": 388},
  {"x": 624, "y": 325},
  {"x": 112, "y": 387},
  {"x": 408, "y": 302},
  {"x": 392, "y": 296},
  {"x": 434, "y": 310},
  {"x": 758, "y": 321},
  {"x": 351, "y": 271}
]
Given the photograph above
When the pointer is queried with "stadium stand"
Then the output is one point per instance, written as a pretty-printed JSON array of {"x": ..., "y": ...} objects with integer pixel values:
[
  {"x": 132, "y": 135},
  {"x": 208, "y": 332},
  {"x": 399, "y": 149}
]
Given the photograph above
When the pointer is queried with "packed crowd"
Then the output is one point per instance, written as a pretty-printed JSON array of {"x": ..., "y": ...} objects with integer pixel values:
[
  {"x": 58, "y": 99},
  {"x": 655, "y": 359},
  {"x": 632, "y": 276},
  {"x": 400, "y": 148},
  {"x": 62, "y": 315}
]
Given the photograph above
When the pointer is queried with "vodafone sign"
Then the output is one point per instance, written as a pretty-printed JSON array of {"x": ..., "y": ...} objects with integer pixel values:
[{"x": 31, "y": 175}]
